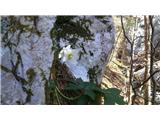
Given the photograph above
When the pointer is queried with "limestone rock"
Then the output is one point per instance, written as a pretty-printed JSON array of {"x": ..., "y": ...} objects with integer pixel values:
[
  {"x": 35, "y": 52},
  {"x": 95, "y": 51},
  {"x": 26, "y": 46}
]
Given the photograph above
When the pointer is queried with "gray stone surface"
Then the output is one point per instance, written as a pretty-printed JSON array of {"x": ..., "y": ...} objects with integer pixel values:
[
  {"x": 36, "y": 54},
  {"x": 100, "y": 46}
]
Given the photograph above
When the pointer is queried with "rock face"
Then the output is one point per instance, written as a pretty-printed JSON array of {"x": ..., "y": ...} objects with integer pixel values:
[
  {"x": 35, "y": 53},
  {"x": 156, "y": 44},
  {"x": 92, "y": 53},
  {"x": 27, "y": 55},
  {"x": 155, "y": 53},
  {"x": 156, "y": 38}
]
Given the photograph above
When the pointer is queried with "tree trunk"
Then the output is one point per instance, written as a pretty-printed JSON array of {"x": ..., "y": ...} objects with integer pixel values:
[{"x": 146, "y": 86}]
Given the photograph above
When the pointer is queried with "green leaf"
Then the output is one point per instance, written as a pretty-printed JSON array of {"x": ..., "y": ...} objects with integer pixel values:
[
  {"x": 83, "y": 100},
  {"x": 114, "y": 91},
  {"x": 109, "y": 100},
  {"x": 72, "y": 86},
  {"x": 120, "y": 100},
  {"x": 90, "y": 94},
  {"x": 51, "y": 85},
  {"x": 112, "y": 97}
]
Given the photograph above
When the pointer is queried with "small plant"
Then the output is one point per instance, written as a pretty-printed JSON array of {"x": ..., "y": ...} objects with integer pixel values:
[
  {"x": 66, "y": 27},
  {"x": 91, "y": 93},
  {"x": 67, "y": 54}
]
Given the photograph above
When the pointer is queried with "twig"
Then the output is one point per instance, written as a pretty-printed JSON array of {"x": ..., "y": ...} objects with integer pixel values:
[
  {"x": 124, "y": 31},
  {"x": 68, "y": 98},
  {"x": 131, "y": 61},
  {"x": 147, "y": 79}
]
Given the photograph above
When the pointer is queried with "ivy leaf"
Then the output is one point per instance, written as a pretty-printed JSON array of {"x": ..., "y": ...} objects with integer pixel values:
[
  {"x": 73, "y": 86},
  {"x": 83, "y": 100},
  {"x": 114, "y": 91},
  {"x": 112, "y": 97},
  {"x": 120, "y": 101},
  {"x": 90, "y": 94},
  {"x": 109, "y": 100}
]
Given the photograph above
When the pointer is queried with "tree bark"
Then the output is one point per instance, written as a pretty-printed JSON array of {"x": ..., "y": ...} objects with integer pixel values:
[{"x": 146, "y": 86}]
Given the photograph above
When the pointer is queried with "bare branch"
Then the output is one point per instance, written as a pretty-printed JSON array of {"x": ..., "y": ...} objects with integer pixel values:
[
  {"x": 145, "y": 81},
  {"x": 153, "y": 48},
  {"x": 124, "y": 31}
]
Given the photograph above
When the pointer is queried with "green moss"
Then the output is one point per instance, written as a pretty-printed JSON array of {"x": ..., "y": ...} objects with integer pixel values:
[
  {"x": 30, "y": 74},
  {"x": 14, "y": 25}
]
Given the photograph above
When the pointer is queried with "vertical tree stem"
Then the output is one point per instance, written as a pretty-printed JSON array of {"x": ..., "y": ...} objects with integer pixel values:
[{"x": 146, "y": 60}]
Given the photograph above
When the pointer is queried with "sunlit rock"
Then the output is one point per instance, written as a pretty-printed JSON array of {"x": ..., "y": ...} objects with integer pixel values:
[
  {"x": 93, "y": 53},
  {"x": 28, "y": 48}
]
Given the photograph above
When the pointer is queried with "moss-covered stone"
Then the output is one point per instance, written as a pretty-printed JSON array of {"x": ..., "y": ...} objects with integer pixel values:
[{"x": 30, "y": 74}]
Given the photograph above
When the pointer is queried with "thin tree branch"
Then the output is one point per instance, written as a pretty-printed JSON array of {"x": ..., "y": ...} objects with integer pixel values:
[
  {"x": 145, "y": 81},
  {"x": 146, "y": 88},
  {"x": 124, "y": 31}
]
